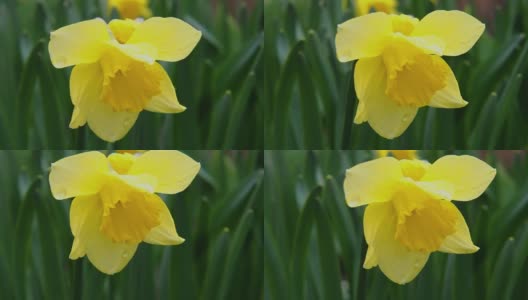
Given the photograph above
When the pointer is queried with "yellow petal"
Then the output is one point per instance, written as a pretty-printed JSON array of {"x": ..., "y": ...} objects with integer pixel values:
[
  {"x": 121, "y": 161},
  {"x": 363, "y": 36},
  {"x": 384, "y": 115},
  {"x": 173, "y": 169},
  {"x": 86, "y": 85},
  {"x": 361, "y": 113},
  {"x": 448, "y": 97},
  {"x": 412, "y": 168},
  {"x": 166, "y": 102},
  {"x": 85, "y": 219},
  {"x": 427, "y": 44},
  {"x": 82, "y": 92},
  {"x": 76, "y": 175},
  {"x": 365, "y": 71},
  {"x": 79, "y": 43},
  {"x": 460, "y": 241},
  {"x": 143, "y": 182},
  {"x": 140, "y": 52},
  {"x": 108, "y": 124},
  {"x": 371, "y": 260},
  {"x": 122, "y": 29},
  {"x": 376, "y": 214},
  {"x": 165, "y": 233},
  {"x": 437, "y": 189},
  {"x": 372, "y": 181},
  {"x": 394, "y": 260},
  {"x": 77, "y": 250},
  {"x": 173, "y": 38},
  {"x": 78, "y": 118},
  {"x": 457, "y": 30},
  {"x": 468, "y": 175}
]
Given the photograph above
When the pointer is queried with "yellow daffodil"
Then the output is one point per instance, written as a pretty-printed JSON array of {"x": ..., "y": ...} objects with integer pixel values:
[
  {"x": 116, "y": 74},
  {"x": 410, "y": 213},
  {"x": 130, "y": 9},
  {"x": 400, "y": 68},
  {"x": 398, "y": 154},
  {"x": 364, "y": 7},
  {"x": 115, "y": 206}
]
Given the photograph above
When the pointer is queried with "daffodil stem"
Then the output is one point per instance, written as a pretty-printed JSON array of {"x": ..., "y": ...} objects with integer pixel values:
[{"x": 362, "y": 281}]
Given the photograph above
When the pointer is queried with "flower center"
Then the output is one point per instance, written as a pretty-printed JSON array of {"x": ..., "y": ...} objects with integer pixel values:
[
  {"x": 413, "y": 77},
  {"x": 422, "y": 223},
  {"x": 128, "y": 84},
  {"x": 128, "y": 213}
]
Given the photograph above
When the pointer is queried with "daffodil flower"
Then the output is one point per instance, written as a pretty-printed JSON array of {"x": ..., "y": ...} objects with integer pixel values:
[
  {"x": 409, "y": 211},
  {"x": 400, "y": 69},
  {"x": 398, "y": 154},
  {"x": 364, "y": 7},
  {"x": 116, "y": 74},
  {"x": 115, "y": 206},
  {"x": 130, "y": 9}
]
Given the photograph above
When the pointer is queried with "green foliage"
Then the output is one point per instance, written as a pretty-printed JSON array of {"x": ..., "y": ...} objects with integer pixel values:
[
  {"x": 220, "y": 216},
  {"x": 218, "y": 82},
  {"x": 313, "y": 100},
  {"x": 314, "y": 246}
]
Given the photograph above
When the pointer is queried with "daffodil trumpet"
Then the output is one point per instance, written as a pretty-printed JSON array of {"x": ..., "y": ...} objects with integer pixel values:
[
  {"x": 410, "y": 212},
  {"x": 399, "y": 67},
  {"x": 115, "y": 206},
  {"x": 116, "y": 75}
]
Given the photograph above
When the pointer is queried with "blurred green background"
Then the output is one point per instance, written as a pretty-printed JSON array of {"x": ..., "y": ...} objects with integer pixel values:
[
  {"x": 314, "y": 246},
  {"x": 218, "y": 82},
  {"x": 220, "y": 216},
  {"x": 312, "y": 96}
]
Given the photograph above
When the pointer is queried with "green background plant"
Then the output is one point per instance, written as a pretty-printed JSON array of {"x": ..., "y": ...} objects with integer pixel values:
[
  {"x": 218, "y": 82},
  {"x": 220, "y": 216},
  {"x": 312, "y": 96},
  {"x": 314, "y": 246}
]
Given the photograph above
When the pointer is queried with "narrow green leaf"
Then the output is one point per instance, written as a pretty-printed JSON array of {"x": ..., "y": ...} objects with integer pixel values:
[{"x": 234, "y": 251}]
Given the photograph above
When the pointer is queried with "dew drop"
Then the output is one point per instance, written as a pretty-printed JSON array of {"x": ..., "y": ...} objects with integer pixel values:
[{"x": 125, "y": 254}]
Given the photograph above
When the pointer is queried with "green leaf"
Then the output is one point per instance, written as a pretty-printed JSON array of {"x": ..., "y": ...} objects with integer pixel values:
[
  {"x": 234, "y": 252},
  {"x": 303, "y": 233}
]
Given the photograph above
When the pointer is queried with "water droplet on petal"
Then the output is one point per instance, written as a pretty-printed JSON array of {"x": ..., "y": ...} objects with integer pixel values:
[{"x": 125, "y": 254}]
